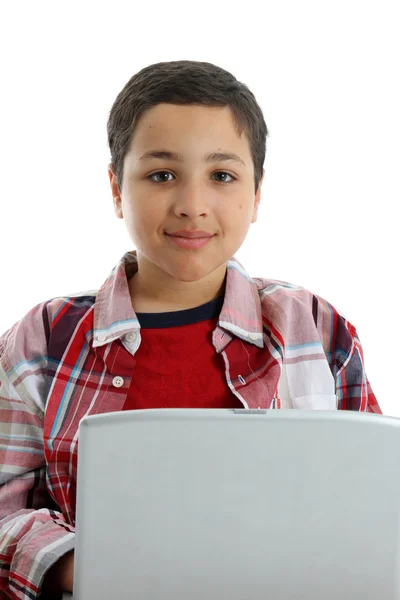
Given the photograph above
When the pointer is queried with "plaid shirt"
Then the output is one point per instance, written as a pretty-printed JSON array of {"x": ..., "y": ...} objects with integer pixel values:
[{"x": 68, "y": 357}]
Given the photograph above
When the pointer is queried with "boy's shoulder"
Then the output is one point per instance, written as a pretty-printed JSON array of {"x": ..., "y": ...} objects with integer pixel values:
[
  {"x": 269, "y": 290},
  {"x": 83, "y": 300},
  {"x": 263, "y": 283},
  {"x": 273, "y": 292}
]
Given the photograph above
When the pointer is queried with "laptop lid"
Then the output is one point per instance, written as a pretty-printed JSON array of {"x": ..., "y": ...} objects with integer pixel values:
[{"x": 239, "y": 504}]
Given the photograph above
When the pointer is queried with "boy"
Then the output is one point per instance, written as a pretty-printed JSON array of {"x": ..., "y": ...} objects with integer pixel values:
[{"x": 178, "y": 323}]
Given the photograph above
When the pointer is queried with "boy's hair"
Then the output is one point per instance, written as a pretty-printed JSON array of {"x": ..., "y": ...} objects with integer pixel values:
[{"x": 184, "y": 82}]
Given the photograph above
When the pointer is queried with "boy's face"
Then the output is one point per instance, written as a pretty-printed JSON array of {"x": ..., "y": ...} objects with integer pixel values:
[{"x": 160, "y": 195}]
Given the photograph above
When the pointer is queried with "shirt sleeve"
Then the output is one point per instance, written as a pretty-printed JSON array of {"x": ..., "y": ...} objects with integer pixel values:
[
  {"x": 33, "y": 532},
  {"x": 353, "y": 389}
]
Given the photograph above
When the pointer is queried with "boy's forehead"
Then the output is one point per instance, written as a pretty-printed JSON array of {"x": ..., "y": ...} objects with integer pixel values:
[
  {"x": 171, "y": 123},
  {"x": 187, "y": 111}
]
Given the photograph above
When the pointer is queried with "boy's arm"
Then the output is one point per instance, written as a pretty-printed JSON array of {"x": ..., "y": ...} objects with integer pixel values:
[
  {"x": 33, "y": 533},
  {"x": 353, "y": 390}
]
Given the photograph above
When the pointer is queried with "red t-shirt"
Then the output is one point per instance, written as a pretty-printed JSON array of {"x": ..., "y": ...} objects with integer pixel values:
[{"x": 176, "y": 365}]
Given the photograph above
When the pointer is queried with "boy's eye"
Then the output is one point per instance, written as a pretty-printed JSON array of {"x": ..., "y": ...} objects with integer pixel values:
[{"x": 168, "y": 173}]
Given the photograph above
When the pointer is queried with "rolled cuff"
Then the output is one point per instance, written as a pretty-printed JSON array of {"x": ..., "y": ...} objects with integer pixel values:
[{"x": 46, "y": 540}]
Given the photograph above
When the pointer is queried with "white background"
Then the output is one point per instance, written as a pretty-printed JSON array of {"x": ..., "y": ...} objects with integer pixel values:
[{"x": 326, "y": 75}]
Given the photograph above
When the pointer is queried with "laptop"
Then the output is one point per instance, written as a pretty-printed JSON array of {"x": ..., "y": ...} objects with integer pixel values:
[{"x": 187, "y": 504}]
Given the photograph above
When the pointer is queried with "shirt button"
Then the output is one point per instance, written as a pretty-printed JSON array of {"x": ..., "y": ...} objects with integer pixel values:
[
  {"x": 130, "y": 337},
  {"x": 101, "y": 338},
  {"x": 253, "y": 336},
  {"x": 118, "y": 381}
]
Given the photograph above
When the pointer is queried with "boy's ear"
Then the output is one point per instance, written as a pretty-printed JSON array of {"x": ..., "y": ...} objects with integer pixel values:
[
  {"x": 257, "y": 199},
  {"x": 115, "y": 191}
]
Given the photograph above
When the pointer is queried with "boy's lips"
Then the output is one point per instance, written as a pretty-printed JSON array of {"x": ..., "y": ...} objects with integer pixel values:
[
  {"x": 191, "y": 233},
  {"x": 187, "y": 242}
]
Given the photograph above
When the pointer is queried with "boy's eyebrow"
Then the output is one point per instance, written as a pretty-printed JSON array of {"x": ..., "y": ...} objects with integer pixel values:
[{"x": 211, "y": 157}]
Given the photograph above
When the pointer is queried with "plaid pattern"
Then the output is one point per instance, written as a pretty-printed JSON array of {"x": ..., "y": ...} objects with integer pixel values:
[{"x": 60, "y": 361}]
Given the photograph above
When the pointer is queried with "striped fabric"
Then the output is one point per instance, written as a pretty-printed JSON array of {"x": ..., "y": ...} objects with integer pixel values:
[{"x": 68, "y": 357}]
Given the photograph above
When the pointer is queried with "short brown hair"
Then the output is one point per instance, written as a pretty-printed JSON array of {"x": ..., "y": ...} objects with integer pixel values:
[{"x": 184, "y": 82}]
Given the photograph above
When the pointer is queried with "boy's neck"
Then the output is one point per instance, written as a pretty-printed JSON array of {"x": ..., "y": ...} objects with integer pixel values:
[{"x": 168, "y": 300}]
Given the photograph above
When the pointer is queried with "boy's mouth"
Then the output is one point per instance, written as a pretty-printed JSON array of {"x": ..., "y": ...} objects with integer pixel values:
[
  {"x": 189, "y": 242},
  {"x": 191, "y": 233}
]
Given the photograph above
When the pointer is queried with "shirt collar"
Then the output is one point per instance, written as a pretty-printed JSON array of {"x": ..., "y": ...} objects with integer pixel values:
[{"x": 240, "y": 316}]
